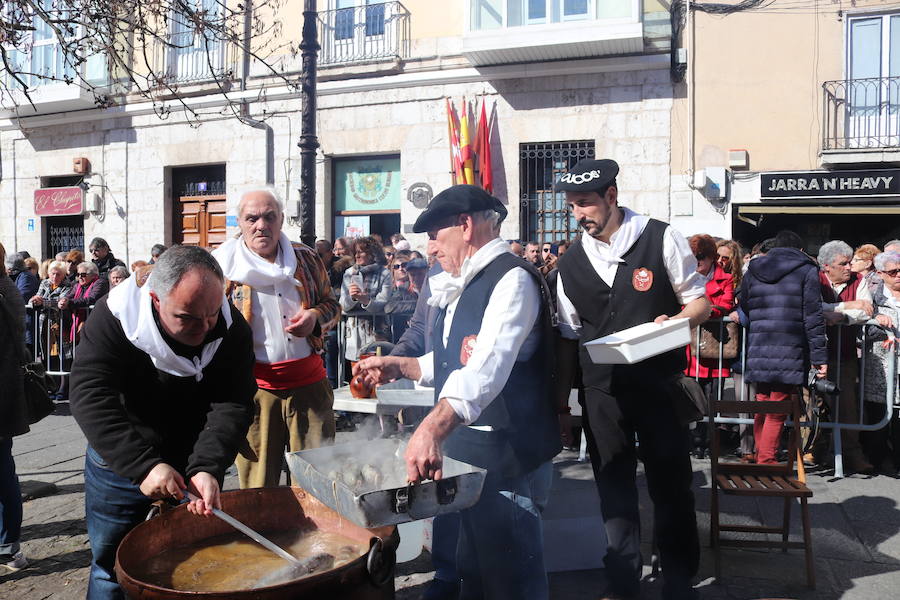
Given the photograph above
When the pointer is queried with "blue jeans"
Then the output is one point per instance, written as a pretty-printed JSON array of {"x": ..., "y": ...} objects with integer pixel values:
[
  {"x": 444, "y": 541},
  {"x": 113, "y": 506},
  {"x": 500, "y": 553},
  {"x": 10, "y": 501}
]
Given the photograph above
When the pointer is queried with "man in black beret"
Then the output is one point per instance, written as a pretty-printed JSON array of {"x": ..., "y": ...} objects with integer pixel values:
[
  {"x": 626, "y": 270},
  {"x": 492, "y": 398}
]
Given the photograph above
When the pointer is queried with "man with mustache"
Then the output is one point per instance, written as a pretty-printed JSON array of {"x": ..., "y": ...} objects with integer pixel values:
[
  {"x": 283, "y": 291},
  {"x": 626, "y": 270}
]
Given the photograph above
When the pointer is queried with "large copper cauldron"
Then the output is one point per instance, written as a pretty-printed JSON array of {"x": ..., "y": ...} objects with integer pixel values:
[{"x": 369, "y": 577}]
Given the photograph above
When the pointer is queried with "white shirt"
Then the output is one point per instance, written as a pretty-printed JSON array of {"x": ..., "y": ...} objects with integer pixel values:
[
  {"x": 855, "y": 316},
  {"x": 508, "y": 333},
  {"x": 681, "y": 266},
  {"x": 274, "y": 298}
]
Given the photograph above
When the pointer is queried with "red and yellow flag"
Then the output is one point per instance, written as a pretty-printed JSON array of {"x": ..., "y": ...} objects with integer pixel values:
[
  {"x": 456, "y": 163},
  {"x": 465, "y": 145}
]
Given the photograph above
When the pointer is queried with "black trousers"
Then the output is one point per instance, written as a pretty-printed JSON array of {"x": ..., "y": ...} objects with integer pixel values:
[{"x": 641, "y": 404}]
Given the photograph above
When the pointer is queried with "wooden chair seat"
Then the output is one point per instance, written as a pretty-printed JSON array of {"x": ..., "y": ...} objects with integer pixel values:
[
  {"x": 777, "y": 480},
  {"x": 753, "y": 485}
]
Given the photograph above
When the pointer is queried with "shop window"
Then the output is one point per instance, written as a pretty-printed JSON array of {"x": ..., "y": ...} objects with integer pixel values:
[
  {"x": 367, "y": 196},
  {"x": 544, "y": 215}
]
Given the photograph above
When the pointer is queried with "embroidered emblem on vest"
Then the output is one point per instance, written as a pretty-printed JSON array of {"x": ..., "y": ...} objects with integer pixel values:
[
  {"x": 468, "y": 347},
  {"x": 642, "y": 279}
]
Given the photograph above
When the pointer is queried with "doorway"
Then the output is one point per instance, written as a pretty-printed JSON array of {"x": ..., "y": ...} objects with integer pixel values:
[{"x": 199, "y": 206}]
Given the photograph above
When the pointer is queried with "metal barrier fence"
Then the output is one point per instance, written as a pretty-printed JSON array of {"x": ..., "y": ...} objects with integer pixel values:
[
  {"x": 891, "y": 398},
  {"x": 54, "y": 341}
]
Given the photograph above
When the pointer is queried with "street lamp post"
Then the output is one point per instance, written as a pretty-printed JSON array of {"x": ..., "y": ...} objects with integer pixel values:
[{"x": 309, "y": 141}]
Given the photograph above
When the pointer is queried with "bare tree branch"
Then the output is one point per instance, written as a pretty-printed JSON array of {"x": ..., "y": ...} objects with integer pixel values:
[{"x": 157, "y": 50}]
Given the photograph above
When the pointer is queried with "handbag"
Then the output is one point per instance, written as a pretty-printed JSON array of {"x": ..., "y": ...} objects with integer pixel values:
[
  {"x": 690, "y": 402},
  {"x": 710, "y": 334},
  {"x": 38, "y": 385}
]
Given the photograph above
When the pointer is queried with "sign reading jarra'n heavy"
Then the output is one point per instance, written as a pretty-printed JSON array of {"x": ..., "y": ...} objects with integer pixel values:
[
  {"x": 830, "y": 184},
  {"x": 57, "y": 201}
]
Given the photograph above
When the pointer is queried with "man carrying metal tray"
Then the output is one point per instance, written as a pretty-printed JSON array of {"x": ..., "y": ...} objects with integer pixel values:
[
  {"x": 628, "y": 269},
  {"x": 492, "y": 395}
]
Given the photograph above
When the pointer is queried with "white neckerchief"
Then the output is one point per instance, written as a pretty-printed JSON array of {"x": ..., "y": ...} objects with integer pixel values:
[
  {"x": 241, "y": 264},
  {"x": 620, "y": 241},
  {"x": 133, "y": 308},
  {"x": 445, "y": 288}
]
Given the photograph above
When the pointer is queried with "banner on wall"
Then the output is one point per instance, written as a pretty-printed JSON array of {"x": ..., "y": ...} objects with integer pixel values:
[{"x": 367, "y": 185}]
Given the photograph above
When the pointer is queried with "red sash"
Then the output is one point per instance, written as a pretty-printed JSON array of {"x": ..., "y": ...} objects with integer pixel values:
[{"x": 289, "y": 374}]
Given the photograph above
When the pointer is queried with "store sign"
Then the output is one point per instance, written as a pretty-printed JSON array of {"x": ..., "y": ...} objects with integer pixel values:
[
  {"x": 830, "y": 184},
  {"x": 51, "y": 202},
  {"x": 367, "y": 185}
]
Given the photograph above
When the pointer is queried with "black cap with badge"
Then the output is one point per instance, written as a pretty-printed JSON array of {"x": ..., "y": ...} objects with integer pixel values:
[
  {"x": 588, "y": 175},
  {"x": 457, "y": 200}
]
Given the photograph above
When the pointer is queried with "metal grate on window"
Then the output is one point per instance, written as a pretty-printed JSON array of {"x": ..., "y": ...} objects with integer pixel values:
[
  {"x": 64, "y": 237},
  {"x": 544, "y": 215}
]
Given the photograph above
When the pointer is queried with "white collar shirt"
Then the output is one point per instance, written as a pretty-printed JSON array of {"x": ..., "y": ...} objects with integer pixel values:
[
  {"x": 508, "y": 333},
  {"x": 681, "y": 266}
]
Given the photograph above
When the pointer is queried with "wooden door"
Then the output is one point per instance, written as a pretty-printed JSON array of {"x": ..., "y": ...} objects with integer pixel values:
[{"x": 202, "y": 220}]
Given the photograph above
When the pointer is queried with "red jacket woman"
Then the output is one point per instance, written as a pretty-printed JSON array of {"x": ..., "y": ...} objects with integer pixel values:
[{"x": 720, "y": 291}]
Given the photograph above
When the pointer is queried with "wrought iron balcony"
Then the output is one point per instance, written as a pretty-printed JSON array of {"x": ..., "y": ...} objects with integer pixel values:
[
  {"x": 364, "y": 33},
  {"x": 860, "y": 114}
]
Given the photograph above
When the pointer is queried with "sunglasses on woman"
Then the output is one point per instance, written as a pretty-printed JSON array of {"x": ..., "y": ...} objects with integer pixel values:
[{"x": 400, "y": 266}]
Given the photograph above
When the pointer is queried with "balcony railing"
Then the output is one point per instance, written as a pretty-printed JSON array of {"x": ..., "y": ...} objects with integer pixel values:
[
  {"x": 364, "y": 33},
  {"x": 861, "y": 114}
]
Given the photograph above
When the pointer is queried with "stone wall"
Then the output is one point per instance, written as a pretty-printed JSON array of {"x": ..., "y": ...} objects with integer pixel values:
[{"x": 626, "y": 113}]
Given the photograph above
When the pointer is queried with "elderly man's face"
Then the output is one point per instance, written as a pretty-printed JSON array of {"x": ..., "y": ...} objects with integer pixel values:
[
  {"x": 116, "y": 278},
  {"x": 260, "y": 222},
  {"x": 448, "y": 245},
  {"x": 56, "y": 276},
  {"x": 839, "y": 269},
  {"x": 191, "y": 309}
]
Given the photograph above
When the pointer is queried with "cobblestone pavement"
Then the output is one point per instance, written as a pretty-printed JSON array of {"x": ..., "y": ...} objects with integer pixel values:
[{"x": 856, "y": 530}]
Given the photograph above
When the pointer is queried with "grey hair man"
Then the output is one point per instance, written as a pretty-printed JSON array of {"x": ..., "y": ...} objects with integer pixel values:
[
  {"x": 284, "y": 291},
  {"x": 492, "y": 397},
  {"x": 892, "y": 246},
  {"x": 162, "y": 386},
  {"x": 845, "y": 301}
]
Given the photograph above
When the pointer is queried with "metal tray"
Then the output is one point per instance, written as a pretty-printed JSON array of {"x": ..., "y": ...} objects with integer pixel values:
[
  {"x": 404, "y": 393},
  {"x": 394, "y": 501}
]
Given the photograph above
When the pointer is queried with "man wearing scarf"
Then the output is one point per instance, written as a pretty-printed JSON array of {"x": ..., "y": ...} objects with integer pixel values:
[
  {"x": 284, "y": 293},
  {"x": 627, "y": 269},
  {"x": 491, "y": 325},
  {"x": 162, "y": 387}
]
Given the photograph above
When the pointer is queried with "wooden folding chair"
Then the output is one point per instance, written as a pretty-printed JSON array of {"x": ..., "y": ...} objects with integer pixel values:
[{"x": 771, "y": 480}]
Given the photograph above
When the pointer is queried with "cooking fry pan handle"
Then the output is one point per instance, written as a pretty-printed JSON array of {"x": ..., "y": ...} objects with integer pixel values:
[
  {"x": 446, "y": 490},
  {"x": 402, "y": 499},
  {"x": 380, "y": 563}
]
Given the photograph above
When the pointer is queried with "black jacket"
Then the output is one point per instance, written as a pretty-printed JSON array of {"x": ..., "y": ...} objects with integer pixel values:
[
  {"x": 106, "y": 263},
  {"x": 136, "y": 416},
  {"x": 782, "y": 298}
]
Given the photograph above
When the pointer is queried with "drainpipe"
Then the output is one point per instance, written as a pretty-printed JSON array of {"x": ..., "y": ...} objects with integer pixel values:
[{"x": 245, "y": 105}]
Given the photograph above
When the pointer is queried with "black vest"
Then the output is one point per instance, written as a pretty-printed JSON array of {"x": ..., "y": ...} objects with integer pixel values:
[
  {"x": 604, "y": 310},
  {"x": 525, "y": 431}
]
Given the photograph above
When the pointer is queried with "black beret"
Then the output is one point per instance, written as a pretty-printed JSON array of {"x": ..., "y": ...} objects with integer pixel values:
[
  {"x": 457, "y": 200},
  {"x": 588, "y": 175}
]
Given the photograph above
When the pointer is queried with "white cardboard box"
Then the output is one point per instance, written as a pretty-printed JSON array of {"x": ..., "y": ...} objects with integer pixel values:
[{"x": 640, "y": 342}]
